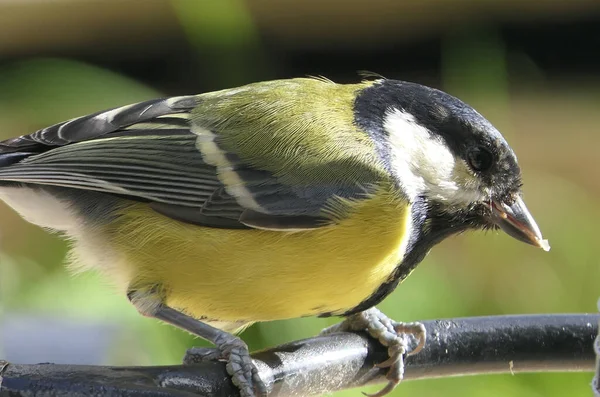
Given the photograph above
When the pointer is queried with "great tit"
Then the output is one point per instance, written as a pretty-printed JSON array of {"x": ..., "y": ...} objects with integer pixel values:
[{"x": 274, "y": 200}]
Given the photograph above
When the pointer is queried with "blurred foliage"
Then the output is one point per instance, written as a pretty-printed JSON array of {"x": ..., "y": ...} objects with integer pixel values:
[
  {"x": 469, "y": 275},
  {"x": 226, "y": 37}
]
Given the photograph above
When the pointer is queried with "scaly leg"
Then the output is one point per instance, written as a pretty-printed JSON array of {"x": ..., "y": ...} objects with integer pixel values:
[
  {"x": 389, "y": 333},
  {"x": 228, "y": 347}
]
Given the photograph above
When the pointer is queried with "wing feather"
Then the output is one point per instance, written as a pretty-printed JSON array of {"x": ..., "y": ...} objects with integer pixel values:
[
  {"x": 191, "y": 164},
  {"x": 100, "y": 124}
]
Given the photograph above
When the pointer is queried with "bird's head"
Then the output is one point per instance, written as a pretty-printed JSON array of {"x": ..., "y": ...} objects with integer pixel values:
[{"x": 440, "y": 149}]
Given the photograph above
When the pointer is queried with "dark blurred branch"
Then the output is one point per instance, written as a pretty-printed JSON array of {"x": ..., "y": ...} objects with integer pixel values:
[
  {"x": 596, "y": 381},
  {"x": 320, "y": 365}
]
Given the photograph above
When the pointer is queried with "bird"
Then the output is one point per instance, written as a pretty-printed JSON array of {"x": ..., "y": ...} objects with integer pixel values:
[{"x": 274, "y": 200}]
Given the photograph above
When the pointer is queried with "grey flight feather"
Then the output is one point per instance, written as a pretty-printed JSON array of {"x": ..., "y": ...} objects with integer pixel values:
[{"x": 98, "y": 124}]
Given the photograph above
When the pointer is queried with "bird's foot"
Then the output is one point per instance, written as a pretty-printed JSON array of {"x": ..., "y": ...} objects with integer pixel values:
[
  {"x": 240, "y": 367},
  {"x": 391, "y": 334}
]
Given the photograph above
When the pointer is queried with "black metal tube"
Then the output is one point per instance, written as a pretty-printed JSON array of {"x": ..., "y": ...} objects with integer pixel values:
[
  {"x": 596, "y": 380},
  {"x": 467, "y": 346}
]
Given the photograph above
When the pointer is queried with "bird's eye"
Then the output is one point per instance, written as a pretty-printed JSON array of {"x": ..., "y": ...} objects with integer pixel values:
[{"x": 480, "y": 159}]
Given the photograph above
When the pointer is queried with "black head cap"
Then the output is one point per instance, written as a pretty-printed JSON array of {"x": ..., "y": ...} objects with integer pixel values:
[{"x": 466, "y": 133}]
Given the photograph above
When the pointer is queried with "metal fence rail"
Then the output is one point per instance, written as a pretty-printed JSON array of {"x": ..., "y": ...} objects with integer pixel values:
[{"x": 466, "y": 346}]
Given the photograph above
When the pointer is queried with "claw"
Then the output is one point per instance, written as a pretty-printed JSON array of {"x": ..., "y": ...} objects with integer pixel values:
[
  {"x": 394, "y": 358},
  {"x": 387, "y": 389},
  {"x": 417, "y": 348},
  {"x": 240, "y": 367},
  {"x": 417, "y": 330},
  {"x": 389, "y": 333}
]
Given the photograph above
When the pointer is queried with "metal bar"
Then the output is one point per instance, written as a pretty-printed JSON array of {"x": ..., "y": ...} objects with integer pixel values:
[{"x": 455, "y": 347}]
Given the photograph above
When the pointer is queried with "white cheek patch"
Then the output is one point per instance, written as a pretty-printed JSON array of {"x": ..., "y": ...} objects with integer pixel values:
[{"x": 424, "y": 163}]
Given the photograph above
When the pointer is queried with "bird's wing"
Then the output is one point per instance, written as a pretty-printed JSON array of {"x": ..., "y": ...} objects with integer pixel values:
[{"x": 190, "y": 165}]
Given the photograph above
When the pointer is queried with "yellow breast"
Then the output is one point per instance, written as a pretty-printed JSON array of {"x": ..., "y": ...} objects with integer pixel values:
[{"x": 260, "y": 275}]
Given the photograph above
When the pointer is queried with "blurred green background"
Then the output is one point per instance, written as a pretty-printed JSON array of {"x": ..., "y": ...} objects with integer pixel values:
[{"x": 531, "y": 67}]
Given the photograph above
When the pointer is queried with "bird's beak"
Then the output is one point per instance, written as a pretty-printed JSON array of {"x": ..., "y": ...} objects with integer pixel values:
[{"x": 517, "y": 222}]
